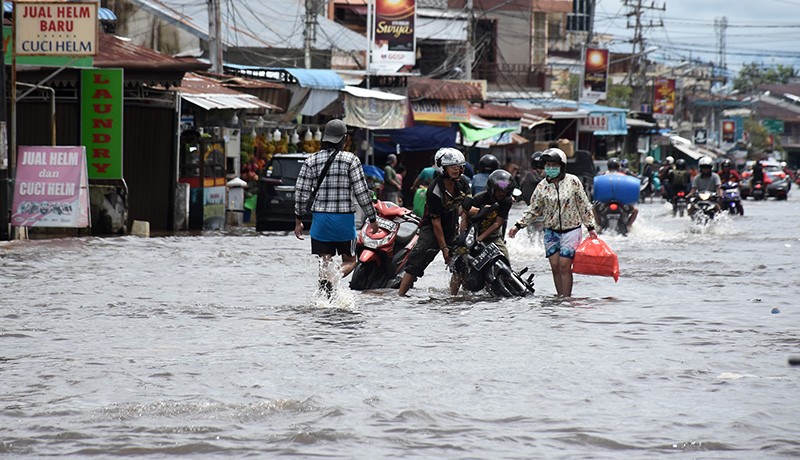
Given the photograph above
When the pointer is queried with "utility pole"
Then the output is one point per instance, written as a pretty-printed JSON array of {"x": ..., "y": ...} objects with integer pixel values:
[
  {"x": 469, "y": 59},
  {"x": 310, "y": 32},
  {"x": 214, "y": 36},
  {"x": 637, "y": 71}
]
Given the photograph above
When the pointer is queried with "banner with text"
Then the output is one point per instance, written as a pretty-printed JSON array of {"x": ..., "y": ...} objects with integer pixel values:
[
  {"x": 440, "y": 111},
  {"x": 51, "y": 188},
  {"x": 55, "y": 28},
  {"x": 394, "y": 42},
  {"x": 101, "y": 121}
]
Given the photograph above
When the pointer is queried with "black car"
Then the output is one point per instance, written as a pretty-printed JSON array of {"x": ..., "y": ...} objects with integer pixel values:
[{"x": 275, "y": 205}]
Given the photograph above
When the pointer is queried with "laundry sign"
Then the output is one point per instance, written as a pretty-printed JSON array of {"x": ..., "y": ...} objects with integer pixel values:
[
  {"x": 55, "y": 28},
  {"x": 101, "y": 121}
]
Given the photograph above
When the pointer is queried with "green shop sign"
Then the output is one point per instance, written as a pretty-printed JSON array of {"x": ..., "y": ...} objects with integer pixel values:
[
  {"x": 101, "y": 121},
  {"x": 773, "y": 126},
  {"x": 47, "y": 61}
]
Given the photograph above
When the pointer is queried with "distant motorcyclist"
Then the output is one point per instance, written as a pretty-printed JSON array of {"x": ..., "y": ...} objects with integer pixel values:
[
  {"x": 679, "y": 178},
  {"x": 532, "y": 177},
  {"x": 664, "y": 176},
  {"x": 706, "y": 181},
  {"x": 648, "y": 173},
  {"x": 758, "y": 172},
  {"x": 727, "y": 173},
  {"x": 497, "y": 194},
  {"x": 486, "y": 165},
  {"x": 614, "y": 168}
]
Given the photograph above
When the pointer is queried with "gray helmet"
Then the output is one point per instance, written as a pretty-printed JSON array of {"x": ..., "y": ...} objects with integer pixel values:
[{"x": 500, "y": 180}]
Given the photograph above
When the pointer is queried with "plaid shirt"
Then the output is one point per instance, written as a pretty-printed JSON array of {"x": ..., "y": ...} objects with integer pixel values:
[{"x": 344, "y": 179}]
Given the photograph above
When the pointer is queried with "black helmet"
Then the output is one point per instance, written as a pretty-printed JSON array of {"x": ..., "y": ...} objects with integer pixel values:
[
  {"x": 613, "y": 164},
  {"x": 536, "y": 160},
  {"x": 488, "y": 163},
  {"x": 727, "y": 164},
  {"x": 680, "y": 164},
  {"x": 500, "y": 180}
]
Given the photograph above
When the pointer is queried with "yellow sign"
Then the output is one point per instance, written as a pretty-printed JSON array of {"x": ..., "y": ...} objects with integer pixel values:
[
  {"x": 441, "y": 111},
  {"x": 55, "y": 29}
]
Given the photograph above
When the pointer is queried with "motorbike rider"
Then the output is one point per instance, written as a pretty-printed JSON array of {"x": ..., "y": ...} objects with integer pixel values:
[
  {"x": 440, "y": 221},
  {"x": 706, "y": 181},
  {"x": 614, "y": 168},
  {"x": 727, "y": 173},
  {"x": 486, "y": 165},
  {"x": 679, "y": 178},
  {"x": 758, "y": 173},
  {"x": 498, "y": 192},
  {"x": 664, "y": 176},
  {"x": 649, "y": 173},
  {"x": 532, "y": 177},
  {"x": 562, "y": 201}
]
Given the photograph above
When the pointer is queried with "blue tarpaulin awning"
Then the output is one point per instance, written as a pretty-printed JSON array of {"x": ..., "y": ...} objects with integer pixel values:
[
  {"x": 306, "y": 78},
  {"x": 418, "y": 138}
]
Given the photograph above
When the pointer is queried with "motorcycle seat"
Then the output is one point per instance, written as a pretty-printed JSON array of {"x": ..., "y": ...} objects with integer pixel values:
[{"x": 406, "y": 232}]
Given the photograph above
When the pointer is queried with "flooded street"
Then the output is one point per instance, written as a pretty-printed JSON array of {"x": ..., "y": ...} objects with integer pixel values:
[{"x": 216, "y": 346}]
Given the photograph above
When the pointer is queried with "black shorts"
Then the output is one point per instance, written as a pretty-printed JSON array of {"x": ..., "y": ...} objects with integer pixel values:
[
  {"x": 344, "y": 248},
  {"x": 423, "y": 253}
]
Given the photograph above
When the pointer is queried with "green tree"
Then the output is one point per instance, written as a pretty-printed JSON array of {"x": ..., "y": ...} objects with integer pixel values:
[
  {"x": 619, "y": 96},
  {"x": 759, "y": 135},
  {"x": 752, "y": 75}
]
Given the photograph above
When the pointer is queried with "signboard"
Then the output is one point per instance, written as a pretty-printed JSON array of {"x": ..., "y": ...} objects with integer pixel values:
[
  {"x": 594, "y": 122},
  {"x": 55, "y": 29},
  {"x": 595, "y": 75},
  {"x": 51, "y": 61},
  {"x": 664, "y": 98},
  {"x": 441, "y": 111},
  {"x": 700, "y": 136},
  {"x": 728, "y": 130},
  {"x": 51, "y": 188},
  {"x": 393, "y": 41},
  {"x": 101, "y": 121},
  {"x": 773, "y": 126}
]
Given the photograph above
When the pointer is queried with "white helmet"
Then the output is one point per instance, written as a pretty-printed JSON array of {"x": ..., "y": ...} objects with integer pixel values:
[
  {"x": 705, "y": 161},
  {"x": 649, "y": 160},
  {"x": 670, "y": 160},
  {"x": 451, "y": 157},
  {"x": 437, "y": 158},
  {"x": 554, "y": 154}
]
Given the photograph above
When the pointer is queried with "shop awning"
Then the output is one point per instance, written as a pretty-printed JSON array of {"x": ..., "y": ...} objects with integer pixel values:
[
  {"x": 693, "y": 151},
  {"x": 472, "y": 134},
  {"x": 306, "y": 78},
  {"x": 365, "y": 108},
  {"x": 219, "y": 101}
]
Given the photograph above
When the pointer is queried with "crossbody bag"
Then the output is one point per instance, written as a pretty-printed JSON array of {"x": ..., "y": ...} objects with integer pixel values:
[{"x": 322, "y": 175}]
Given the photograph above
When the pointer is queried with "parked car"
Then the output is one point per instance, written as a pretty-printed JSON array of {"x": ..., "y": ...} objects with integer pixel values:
[
  {"x": 275, "y": 205},
  {"x": 777, "y": 181}
]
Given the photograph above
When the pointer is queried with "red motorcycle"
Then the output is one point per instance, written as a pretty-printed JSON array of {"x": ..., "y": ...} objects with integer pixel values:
[{"x": 382, "y": 256}]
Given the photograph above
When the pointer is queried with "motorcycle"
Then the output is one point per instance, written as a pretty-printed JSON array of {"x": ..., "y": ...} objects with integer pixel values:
[
  {"x": 482, "y": 265},
  {"x": 703, "y": 207},
  {"x": 679, "y": 203},
  {"x": 758, "y": 190},
  {"x": 612, "y": 215},
  {"x": 382, "y": 256},
  {"x": 731, "y": 199}
]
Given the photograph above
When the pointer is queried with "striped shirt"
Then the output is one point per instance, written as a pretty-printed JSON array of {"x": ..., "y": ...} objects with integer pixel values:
[{"x": 345, "y": 178}]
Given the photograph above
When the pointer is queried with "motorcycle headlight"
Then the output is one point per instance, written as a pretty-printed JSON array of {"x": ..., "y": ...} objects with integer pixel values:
[{"x": 470, "y": 240}]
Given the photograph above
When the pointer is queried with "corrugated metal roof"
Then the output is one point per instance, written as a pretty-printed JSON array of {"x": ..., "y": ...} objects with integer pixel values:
[
  {"x": 209, "y": 93},
  {"x": 443, "y": 90},
  {"x": 256, "y": 23},
  {"x": 114, "y": 51}
]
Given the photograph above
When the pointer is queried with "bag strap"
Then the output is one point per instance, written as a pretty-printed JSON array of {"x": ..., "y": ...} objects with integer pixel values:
[{"x": 321, "y": 178}]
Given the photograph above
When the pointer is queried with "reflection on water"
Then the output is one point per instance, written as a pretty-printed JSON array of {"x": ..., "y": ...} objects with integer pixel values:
[{"x": 220, "y": 345}]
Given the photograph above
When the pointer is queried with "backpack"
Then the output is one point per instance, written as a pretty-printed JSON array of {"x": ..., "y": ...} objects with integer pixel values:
[{"x": 680, "y": 178}]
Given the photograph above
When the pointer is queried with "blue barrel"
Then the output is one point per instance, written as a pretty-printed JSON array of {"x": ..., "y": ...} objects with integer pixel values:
[{"x": 617, "y": 187}]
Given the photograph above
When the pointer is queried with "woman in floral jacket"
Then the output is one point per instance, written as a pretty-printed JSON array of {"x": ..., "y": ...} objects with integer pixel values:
[{"x": 563, "y": 203}]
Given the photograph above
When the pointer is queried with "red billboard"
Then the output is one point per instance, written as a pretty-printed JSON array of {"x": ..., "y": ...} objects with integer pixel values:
[{"x": 664, "y": 97}]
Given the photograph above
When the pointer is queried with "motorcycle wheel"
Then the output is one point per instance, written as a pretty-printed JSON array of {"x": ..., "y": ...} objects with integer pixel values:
[
  {"x": 681, "y": 210},
  {"x": 499, "y": 287},
  {"x": 363, "y": 276}
]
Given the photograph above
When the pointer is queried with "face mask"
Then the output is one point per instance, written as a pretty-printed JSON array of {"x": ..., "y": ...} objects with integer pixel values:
[{"x": 552, "y": 171}]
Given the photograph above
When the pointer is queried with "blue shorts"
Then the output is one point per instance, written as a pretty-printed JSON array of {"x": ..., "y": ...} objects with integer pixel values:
[{"x": 564, "y": 244}]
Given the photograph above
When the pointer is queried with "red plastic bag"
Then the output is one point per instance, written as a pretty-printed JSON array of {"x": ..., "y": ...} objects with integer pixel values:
[{"x": 595, "y": 257}]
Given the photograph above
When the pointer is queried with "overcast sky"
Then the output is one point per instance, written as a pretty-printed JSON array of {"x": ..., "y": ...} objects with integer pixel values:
[{"x": 762, "y": 31}]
